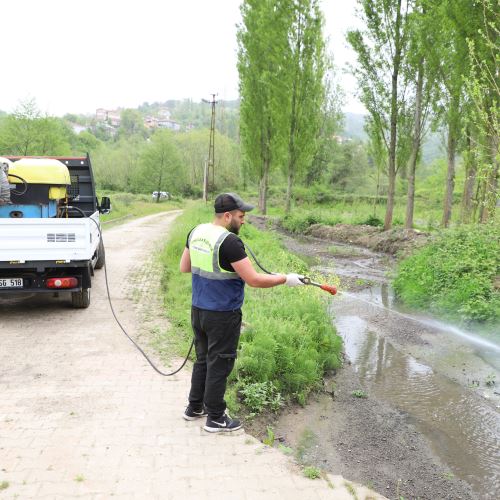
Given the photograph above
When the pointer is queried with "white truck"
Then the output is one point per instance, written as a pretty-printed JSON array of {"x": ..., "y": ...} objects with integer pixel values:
[{"x": 50, "y": 234}]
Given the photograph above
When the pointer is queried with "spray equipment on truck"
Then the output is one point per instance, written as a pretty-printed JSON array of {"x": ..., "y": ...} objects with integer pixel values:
[
  {"x": 48, "y": 187},
  {"x": 39, "y": 186}
]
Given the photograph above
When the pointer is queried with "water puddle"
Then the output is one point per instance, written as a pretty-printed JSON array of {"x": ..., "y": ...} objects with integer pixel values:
[{"x": 464, "y": 432}]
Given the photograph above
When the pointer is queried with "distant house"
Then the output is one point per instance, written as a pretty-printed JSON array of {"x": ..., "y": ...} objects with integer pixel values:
[
  {"x": 170, "y": 124},
  {"x": 101, "y": 115},
  {"x": 152, "y": 122},
  {"x": 113, "y": 117}
]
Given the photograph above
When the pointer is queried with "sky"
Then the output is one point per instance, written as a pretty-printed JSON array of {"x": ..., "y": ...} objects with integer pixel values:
[{"x": 74, "y": 56}]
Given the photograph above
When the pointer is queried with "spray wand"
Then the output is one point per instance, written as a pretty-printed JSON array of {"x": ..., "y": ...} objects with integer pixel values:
[
  {"x": 327, "y": 288},
  {"x": 306, "y": 280}
]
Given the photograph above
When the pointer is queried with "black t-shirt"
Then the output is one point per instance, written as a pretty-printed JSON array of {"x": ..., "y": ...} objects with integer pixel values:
[{"x": 231, "y": 250}]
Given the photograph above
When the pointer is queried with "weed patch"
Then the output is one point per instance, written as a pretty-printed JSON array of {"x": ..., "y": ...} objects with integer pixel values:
[
  {"x": 269, "y": 439},
  {"x": 455, "y": 275},
  {"x": 312, "y": 472},
  {"x": 359, "y": 394}
]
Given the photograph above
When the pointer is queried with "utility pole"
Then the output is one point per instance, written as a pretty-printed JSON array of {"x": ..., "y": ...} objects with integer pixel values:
[{"x": 207, "y": 186}]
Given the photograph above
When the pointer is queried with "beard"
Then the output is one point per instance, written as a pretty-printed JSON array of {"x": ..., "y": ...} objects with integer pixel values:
[{"x": 233, "y": 228}]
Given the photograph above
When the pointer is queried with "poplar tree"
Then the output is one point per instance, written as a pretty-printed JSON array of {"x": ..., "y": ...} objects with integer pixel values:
[
  {"x": 484, "y": 91},
  {"x": 423, "y": 92},
  {"x": 305, "y": 68},
  {"x": 263, "y": 44},
  {"x": 381, "y": 50}
]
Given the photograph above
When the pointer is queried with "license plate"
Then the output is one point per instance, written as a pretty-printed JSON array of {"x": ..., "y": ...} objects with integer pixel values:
[{"x": 11, "y": 282}]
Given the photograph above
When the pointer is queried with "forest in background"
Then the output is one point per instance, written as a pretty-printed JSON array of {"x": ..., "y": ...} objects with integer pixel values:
[
  {"x": 121, "y": 163},
  {"x": 426, "y": 74}
]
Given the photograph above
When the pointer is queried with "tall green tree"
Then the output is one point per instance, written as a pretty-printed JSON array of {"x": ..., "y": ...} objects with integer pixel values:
[
  {"x": 484, "y": 91},
  {"x": 263, "y": 45},
  {"x": 381, "y": 51},
  {"x": 422, "y": 89},
  {"x": 304, "y": 73},
  {"x": 132, "y": 123},
  {"x": 162, "y": 167},
  {"x": 452, "y": 22},
  {"x": 118, "y": 165},
  {"x": 192, "y": 147},
  {"x": 331, "y": 123},
  {"x": 28, "y": 133}
]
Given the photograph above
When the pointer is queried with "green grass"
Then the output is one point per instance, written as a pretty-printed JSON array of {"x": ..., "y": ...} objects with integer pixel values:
[
  {"x": 135, "y": 205},
  {"x": 312, "y": 472},
  {"x": 359, "y": 394},
  {"x": 288, "y": 340},
  {"x": 454, "y": 275},
  {"x": 427, "y": 219}
]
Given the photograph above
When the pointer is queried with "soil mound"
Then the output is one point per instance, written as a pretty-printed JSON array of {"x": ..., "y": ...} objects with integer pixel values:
[{"x": 396, "y": 241}]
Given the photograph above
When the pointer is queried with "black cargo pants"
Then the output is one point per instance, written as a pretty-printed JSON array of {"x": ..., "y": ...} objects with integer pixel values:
[{"x": 216, "y": 336}]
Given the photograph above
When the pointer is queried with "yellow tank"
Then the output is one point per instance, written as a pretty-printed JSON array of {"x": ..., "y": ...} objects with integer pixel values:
[{"x": 43, "y": 171}]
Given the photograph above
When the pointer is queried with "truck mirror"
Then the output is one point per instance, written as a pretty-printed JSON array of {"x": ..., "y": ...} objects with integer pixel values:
[{"x": 105, "y": 206}]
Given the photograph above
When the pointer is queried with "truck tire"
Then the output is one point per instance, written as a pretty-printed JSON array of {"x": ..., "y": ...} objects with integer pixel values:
[
  {"x": 101, "y": 256},
  {"x": 81, "y": 299}
]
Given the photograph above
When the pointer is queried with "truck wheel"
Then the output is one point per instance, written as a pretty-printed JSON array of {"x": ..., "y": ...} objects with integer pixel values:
[
  {"x": 101, "y": 256},
  {"x": 81, "y": 299}
]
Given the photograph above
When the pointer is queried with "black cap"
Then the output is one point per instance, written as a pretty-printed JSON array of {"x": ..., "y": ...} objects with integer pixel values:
[{"x": 226, "y": 202}]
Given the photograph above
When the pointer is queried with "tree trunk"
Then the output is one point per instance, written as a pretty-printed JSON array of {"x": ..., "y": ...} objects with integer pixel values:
[
  {"x": 265, "y": 149},
  {"x": 450, "y": 176},
  {"x": 394, "y": 120},
  {"x": 412, "y": 162},
  {"x": 288, "y": 205},
  {"x": 491, "y": 182},
  {"x": 263, "y": 184},
  {"x": 293, "y": 127},
  {"x": 470, "y": 181}
]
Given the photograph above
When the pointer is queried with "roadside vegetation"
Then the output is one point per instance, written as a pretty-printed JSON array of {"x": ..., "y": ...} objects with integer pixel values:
[
  {"x": 456, "y": 275},
  {"x": 288, "y": 340}
]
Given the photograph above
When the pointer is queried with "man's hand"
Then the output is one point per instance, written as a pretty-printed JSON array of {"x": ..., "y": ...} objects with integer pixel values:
[{"x": 293, "y": 279}]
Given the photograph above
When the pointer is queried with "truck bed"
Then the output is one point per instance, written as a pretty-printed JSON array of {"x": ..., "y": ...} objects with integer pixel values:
[{"x": 28, "y": 240}]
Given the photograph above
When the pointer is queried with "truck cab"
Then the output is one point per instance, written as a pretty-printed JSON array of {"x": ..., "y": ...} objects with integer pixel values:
[{"x": 50, "y": 231}]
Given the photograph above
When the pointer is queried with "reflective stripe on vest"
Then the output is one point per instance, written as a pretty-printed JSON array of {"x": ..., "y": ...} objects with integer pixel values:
[{"x": 204, "y": 244}]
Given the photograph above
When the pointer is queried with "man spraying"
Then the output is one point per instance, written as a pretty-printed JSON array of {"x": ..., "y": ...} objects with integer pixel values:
[{"x": 216, "y": 258}]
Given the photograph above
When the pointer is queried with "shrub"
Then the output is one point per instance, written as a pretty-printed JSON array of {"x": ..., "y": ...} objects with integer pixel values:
[
  {"x": 454, "y": 275},
  {"x": 298, "y": 222},
  {"x": 372, "y": 220},
  {"x": 258, "y": 396}
]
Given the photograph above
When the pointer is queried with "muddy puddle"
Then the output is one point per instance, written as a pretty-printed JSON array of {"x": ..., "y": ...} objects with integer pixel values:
[{"x": 416, "y": 408}]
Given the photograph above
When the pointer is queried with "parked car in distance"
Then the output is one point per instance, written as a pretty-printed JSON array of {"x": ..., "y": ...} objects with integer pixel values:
[{"x": 162, "y": 195}]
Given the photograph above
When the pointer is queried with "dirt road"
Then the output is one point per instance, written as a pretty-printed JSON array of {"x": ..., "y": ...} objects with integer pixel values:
[{"x": 83, "y": 415}]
